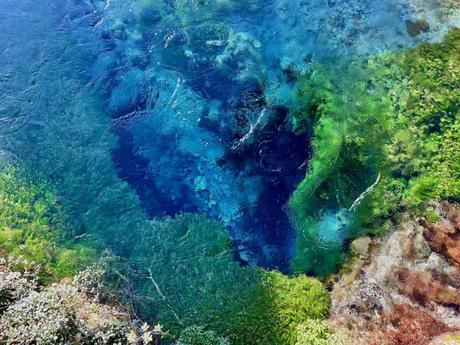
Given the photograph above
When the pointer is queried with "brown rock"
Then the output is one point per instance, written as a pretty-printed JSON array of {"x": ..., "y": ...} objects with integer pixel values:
[
  {"x": 444, "y": 237},
  {"x": 422, "y": 291},
  {"x": 406, "y": 289},
  {"x": 413, "y": 326},
  {"x": 415, "y": 28},
  {"x": 361, "y": 246}
]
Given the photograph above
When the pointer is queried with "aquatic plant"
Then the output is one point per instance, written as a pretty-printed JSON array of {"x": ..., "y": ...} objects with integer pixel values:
[
  {"x": 33, "y": 228},
  {"x": 430, "y": 115},
  {"x": 190, "y": 277},
  {"x": 350, "y": 117},
  {"x": 314, "y": 332},
  {"x": 394, "y": 116},
  {"x": 198, "y": 336}
]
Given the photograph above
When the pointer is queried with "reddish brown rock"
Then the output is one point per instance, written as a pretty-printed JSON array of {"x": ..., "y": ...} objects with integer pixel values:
[
  {"x": 423, "y": 291},
  {"x": 413, "y": 326},
  {"x": 444, "y": 237},
  {"x": 406, "y": 291}
]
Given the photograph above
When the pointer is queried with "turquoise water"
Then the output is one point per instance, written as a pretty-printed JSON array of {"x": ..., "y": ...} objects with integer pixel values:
[{"x": 146, "y": 109}]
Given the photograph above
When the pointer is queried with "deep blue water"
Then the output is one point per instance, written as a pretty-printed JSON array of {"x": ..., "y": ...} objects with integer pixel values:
[{"x": 197, "y": 94}]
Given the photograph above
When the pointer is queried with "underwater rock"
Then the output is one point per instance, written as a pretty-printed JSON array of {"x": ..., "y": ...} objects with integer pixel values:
[
  {"x": 241, "y": 56},
  {"x": 207, "y": 38},
  {"x": 432, "y": 20},
  {"x": 130, "y": 95},
  {"x": 148, "y": 13},
  {"x": 417, "y": 27},
  {"x": 200, "y": 183},
  {"x": 404, "y": 292}
]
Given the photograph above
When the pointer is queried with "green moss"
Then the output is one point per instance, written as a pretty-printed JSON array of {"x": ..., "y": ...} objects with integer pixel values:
[
  {"x": 191, "y": 277},
  {"x": 30, "y": 225},
  {"x": 432, "y": 216},
  {"x": 396, "y": 115}
]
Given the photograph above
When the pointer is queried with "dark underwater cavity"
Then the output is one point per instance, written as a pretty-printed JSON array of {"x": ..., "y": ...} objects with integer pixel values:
[
  {"x": 279, "y": 157},
  {"x": 134, "y": 169},
  {"x": 276, "y": 156}
]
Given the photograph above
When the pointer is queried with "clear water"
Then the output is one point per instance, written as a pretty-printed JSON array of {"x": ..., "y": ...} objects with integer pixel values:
[{"x": 151, "y": 108}]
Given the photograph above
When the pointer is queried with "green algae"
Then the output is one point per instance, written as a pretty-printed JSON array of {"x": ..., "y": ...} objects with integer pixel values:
[
  {"x": 192, "y": 278},
  {"x": 431, "y": 116},
  {"x": 395, "y": 116},
  {"x": 33, "y": 228},
  {"x": 350, "y": 117}
]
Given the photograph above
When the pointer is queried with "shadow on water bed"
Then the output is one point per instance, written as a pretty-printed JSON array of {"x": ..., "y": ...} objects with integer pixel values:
[{"x": 134, "y": 169}]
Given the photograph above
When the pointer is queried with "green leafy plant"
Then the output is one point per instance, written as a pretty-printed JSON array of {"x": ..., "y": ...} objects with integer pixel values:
[
  {"x": 31, "y": 227},
  {"x": 189, "y": 274},
  {"x": 199, "y": 336},
  {"x": 395, "y": 116}
]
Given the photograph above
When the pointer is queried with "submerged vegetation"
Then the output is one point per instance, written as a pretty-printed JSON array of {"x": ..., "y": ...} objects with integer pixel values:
[
  {"x": 32, "y": 226},
  {"x": 184, "y": 266},
  {"x": 349, "y": 114},
  {"x": 390, "y": 122},
  {"x": 426, "y": 150},
  {"x": 192, "y": 278}
]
